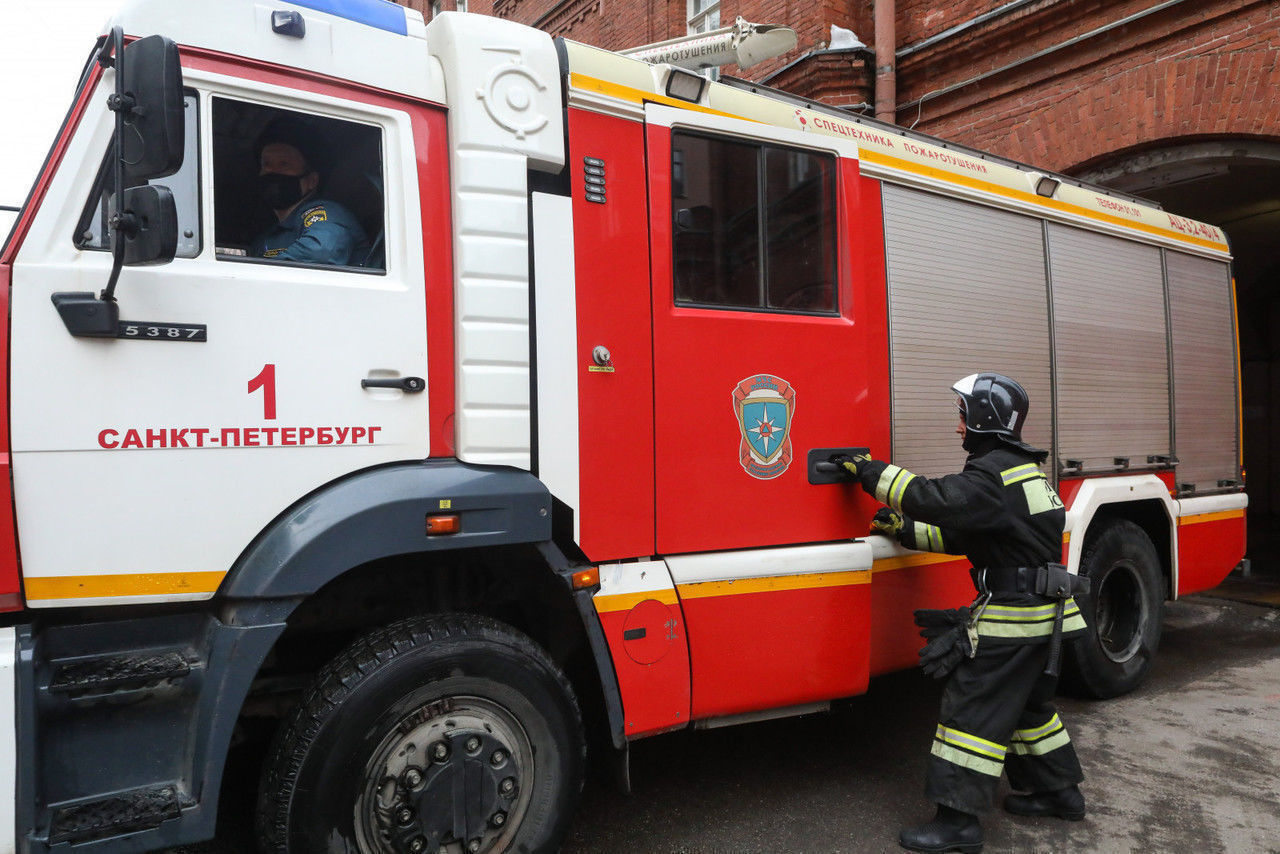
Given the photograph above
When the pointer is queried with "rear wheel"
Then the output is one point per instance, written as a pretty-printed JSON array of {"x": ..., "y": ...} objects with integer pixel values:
[
  {"x": 1122, "y": 610},
  {"x": 452, "y": 734}
]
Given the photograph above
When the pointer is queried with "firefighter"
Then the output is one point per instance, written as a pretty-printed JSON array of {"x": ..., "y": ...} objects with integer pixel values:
[
  {"x": 1001, "y": 654},
  {"x": 308, "y": 228}
]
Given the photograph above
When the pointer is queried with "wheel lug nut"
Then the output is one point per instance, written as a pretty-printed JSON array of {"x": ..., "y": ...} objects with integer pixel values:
[
  {"x": 413, "y": 778},
  {"x": 507, "y": 786},
  {"x": 498, "y": 757},
  {"x": 499, "y": 819},
  {"x": 404, "y": 815},
  {"x": 417, "y": 845},
  {"x": 440, "y": 752},
  {"x": 473, "y": 744},
  {"x": 473, "y": 846}
]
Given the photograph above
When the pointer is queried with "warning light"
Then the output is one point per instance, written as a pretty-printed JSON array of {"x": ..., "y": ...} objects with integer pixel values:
[
  {"x": 448, "y": 524},
  {"x": 584, "y": 578}
]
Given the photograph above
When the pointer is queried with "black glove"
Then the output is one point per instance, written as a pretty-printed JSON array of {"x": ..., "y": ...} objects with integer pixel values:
[
  {"x": 850, "y": 464},
  {"x": 887, "y": 521},
  {"x": 948, "y": 636}
]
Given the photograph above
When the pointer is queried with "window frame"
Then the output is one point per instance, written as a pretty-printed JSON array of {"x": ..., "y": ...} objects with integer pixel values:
[{"x": 761, "y": 146}]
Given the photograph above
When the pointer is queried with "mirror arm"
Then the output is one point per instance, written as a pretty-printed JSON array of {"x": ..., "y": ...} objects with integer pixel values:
[{"x": 120, "y": 104}]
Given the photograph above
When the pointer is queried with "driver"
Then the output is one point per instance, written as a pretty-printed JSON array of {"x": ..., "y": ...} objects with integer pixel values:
[{"x": 309, "y": 228}]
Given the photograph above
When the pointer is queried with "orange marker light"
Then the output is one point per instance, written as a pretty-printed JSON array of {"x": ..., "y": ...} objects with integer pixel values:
[
  {"x": 586, "y": 578},
  {"x": 449, "y": 524}
]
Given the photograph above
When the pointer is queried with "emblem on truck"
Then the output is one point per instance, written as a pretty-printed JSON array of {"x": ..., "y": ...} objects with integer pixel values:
[{"x": 764, "y": 406}]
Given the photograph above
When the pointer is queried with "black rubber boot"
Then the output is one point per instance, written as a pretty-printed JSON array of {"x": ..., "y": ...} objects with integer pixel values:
[
  {"x": 950, "y": 830},
  {"x": 1065, "y": 803}
]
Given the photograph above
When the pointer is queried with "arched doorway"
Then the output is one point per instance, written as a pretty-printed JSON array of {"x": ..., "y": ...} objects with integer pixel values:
[{"x": 1233, "y": 183}]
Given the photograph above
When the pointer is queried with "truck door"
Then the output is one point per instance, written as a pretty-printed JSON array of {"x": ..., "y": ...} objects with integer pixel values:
[
  {"x": 144, "y": 464},
  {"x": 769, "y": 341},
  {"x": 769, "y": 334}
]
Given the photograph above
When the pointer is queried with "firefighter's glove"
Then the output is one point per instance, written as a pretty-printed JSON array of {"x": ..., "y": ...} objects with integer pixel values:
[
  {"x": 887, "y": 521},
  {"x": 948, "y": 640},
  {"x": 850, "y": 464}
]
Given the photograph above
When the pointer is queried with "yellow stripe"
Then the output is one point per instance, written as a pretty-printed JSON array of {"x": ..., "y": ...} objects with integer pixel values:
[
  {"x": 607, "y": 603},
  {"x": 774, "y": 584},
  {"x": 106, "y": 586},
  {"x": 1235, "y": 327},
  {"x": 1023, "y": 196},
  {"x": 639, "y": 96},
  {"x": 1037, "y": 732},
  {"x": 888, "y": 564},
  {"x": 1209, "y": 517}
]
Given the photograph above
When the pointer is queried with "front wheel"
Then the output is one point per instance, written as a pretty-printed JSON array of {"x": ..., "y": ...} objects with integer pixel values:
[
  {"x": 1122, "y": 611},
  {"x": 445, "y": 733}
]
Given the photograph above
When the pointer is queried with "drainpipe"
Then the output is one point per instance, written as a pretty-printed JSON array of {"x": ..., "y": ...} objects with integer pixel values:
[{"x": 886, "y": 81}]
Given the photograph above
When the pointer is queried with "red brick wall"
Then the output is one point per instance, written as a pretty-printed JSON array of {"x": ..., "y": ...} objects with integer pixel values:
[{"x": 1195, "y": 69}]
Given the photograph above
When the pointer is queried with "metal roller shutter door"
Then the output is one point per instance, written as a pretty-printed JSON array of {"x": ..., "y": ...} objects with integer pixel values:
[
  {"x": 1204, "y": 368},
  {"x": 966, "y": 294},
  {"x": 1111, "y": 348}
]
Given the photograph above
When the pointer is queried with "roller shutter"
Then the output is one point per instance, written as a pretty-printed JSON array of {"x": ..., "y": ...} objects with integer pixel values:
[
  {"x": 1111, "y": 348},
  {"x": 1204, "y": 368},
  {"x": 967, "y": 293}
]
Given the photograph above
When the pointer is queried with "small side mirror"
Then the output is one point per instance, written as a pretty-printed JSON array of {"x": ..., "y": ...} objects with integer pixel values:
[
  {"x": 152, "y": 143},
  {"x": 148, "y": 223}
]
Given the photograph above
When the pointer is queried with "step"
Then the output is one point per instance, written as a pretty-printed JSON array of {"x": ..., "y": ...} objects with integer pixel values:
[
  {"x": 118, "y": 672},
  {"x": 137, "y": 809}
]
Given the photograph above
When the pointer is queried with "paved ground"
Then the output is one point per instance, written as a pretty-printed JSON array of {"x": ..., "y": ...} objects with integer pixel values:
[{"x": 1190, "y": 762}]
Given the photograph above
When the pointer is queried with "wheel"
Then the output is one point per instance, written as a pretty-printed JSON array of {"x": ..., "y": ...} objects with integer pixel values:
[
  {"x": 1122, "y": 611},
  {"x": 443, "y": 733}
]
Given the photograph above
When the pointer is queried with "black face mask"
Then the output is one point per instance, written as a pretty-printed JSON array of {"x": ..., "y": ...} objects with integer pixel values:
[{"x": 280, "y": 191}]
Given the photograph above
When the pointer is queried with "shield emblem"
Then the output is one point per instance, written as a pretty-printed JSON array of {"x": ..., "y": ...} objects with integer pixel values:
[{"x": 764, "y": 405}]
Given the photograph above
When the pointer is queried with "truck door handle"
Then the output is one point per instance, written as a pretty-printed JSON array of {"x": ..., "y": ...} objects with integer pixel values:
[{"x": 409, "y": 385}]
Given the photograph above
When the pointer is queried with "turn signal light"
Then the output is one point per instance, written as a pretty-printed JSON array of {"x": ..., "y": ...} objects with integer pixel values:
[
  {"x": 449, "y": 524},
  {"x": 584, "y": 578}
]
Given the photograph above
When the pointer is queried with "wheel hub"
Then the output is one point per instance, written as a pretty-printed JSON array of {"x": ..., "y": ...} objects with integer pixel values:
[
  {"x": 449, "y": 776},
  {"x": 1120, "y": 615}
]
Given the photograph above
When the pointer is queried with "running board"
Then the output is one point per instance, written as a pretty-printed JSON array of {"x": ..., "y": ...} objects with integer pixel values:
[{"x": 762, "y": 715}]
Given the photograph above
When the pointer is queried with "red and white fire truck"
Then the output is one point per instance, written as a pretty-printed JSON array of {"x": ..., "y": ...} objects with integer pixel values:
[{"x": 549, "y": 450}]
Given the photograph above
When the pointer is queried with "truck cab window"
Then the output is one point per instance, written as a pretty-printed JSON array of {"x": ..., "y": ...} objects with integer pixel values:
[
  {"x": 294, "y": 188},
  {"x": 753, "y": 226},
  {"x": 92, "y": 231}
]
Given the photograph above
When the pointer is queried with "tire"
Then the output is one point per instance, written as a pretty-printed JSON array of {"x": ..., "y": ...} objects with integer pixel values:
[
  {"x": 1122, "y": 611},
  {"x": 452, "y": 733}
]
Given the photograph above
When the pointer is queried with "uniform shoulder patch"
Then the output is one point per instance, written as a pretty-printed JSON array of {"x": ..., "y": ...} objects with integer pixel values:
[{"x": 313, "y": 215}]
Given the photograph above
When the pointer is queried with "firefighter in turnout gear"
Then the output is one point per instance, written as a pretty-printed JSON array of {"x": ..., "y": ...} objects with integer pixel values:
[{"x": 1001, "y": 654}]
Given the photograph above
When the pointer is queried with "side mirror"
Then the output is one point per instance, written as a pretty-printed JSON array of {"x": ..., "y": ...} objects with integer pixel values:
[
  {"x": 150, "y": 101},
  {"x": 148, "y": 223}
]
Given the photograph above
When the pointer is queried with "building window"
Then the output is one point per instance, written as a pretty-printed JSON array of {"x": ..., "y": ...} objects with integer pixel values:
[
  {"x": 437, "y": 6},
  {"x": 754, "y": 226},
  {"x": 704, "y": 16}
]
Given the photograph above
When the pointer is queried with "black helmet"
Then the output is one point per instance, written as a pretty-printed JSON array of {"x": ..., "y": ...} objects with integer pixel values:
[{"x": 992, "y": 403}]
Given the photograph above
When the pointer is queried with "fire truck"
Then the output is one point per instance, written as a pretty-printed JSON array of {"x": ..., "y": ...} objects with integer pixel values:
[{"x": 549, "y": 457}]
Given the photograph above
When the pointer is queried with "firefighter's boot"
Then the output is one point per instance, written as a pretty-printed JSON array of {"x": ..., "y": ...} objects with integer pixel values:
[
  {"x": 1065, "y": 803},
  {"x": 950, "y": 830}
]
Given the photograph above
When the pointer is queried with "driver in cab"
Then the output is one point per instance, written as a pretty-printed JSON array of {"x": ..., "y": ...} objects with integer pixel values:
[{"x": 309, "y": 228}]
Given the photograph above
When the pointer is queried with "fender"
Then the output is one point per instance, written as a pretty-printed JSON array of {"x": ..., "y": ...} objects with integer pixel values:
[
  {"x": 382, "y": 512},
  {"x": 1119, "y": 490}
]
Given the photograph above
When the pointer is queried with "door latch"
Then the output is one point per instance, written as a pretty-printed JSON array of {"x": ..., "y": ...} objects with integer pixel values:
[{"x": 409, "y": 385}]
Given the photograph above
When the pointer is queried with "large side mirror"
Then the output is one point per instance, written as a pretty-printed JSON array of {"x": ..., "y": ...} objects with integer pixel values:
[
  {"x": 150, "y": 96},
  {"x": 148, "y": 224}
]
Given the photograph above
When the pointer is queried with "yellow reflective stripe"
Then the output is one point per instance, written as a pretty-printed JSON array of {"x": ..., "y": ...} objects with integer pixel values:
[
  {"x": 39, "y": 588},
  {"x": 922, "y": 535},
  {"x": 947, "y": 753},
  {"x": 972, "y": 742},
  {"x": 1017, "y": 473},
  {"x": 1038, "y": 732},
  {"x": 1043, "y": 746},
  {"x": 1032, "y": 621},
  {"x": 935, "y": 538},
  {"x": 899, "y": 488},
  {"x": 886, "y": 480}
]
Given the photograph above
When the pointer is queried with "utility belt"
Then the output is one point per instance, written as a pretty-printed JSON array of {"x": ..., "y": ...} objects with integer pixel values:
[{"x": 1051, "y": 581}]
